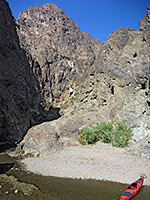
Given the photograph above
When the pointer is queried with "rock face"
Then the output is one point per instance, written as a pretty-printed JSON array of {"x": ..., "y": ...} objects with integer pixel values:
[
  {"x": 20, "y": 99},
  {"x": 19, "y": 96},
  {"x": 145, "y": 23},
  {"x": 128, "y": 55},
  {"x": 61, "y": 55},
  {"x": 145, "y": 26}
]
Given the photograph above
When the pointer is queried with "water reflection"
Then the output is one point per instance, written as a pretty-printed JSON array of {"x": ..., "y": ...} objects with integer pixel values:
[
  {"x": 6, "y": 163},
  {"x": 5, "y": 167}
]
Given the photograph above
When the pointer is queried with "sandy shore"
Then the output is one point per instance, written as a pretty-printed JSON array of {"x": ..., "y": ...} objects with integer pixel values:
[{"x": 100, "y": 161}]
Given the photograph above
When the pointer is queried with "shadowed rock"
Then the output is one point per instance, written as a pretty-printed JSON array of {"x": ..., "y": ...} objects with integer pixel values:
[{"x": 18, "y": 88}]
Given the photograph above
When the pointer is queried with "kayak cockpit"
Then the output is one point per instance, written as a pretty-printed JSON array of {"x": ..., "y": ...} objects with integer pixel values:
[{"x": 133, "y": 186}]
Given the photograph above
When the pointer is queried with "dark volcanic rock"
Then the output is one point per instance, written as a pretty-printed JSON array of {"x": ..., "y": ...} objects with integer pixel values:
[
  {"x": 61, "y": 55},
  {"x": 19, "y": 97}
]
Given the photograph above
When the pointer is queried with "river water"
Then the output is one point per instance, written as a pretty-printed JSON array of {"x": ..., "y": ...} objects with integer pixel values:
[{"x": 53, "y": 188}]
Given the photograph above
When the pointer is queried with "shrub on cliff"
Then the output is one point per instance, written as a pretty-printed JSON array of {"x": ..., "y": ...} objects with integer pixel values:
[{"x": 118, "y": 134}]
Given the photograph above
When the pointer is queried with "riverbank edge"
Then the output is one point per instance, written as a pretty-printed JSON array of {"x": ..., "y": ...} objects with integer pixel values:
[{"x": 99, "y": 162}]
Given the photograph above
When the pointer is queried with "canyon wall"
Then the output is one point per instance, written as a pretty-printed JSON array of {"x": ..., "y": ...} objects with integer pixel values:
[
  {"x": 49, "y": 67},
  {"x": 19, "y": 89}
]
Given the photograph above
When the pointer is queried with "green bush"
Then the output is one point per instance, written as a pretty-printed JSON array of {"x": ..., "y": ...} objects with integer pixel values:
[
  {"x": 118, "y": 134},
  {"x": 88, "y": 136},
  {"x": 121, "y": 135}
]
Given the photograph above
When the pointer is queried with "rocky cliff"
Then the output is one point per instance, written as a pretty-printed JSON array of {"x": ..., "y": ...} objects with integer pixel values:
[
  {"x": 61, "y": 55},
  {"x": 19, "y": 89}
]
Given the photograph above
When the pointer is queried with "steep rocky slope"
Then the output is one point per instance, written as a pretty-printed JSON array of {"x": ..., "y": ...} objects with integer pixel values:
[
  {"x": 19, "y": 96},
  {"x": 20, "y": 100},
  {"x": 61, "y": 55}
]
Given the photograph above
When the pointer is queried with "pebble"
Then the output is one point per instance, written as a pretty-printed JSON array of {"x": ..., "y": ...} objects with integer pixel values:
[
  {"x": 16, "y": 191},
  {"x": 1, "y": 186},
  {"x": 26, "y": 194}
]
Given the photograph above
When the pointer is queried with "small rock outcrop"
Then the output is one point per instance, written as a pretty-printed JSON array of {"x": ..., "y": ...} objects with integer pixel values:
[{"x": 144, "y": 23}]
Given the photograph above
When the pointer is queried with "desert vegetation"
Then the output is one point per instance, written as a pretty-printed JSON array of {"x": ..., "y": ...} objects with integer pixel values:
[{"x": 108, "y": 132}]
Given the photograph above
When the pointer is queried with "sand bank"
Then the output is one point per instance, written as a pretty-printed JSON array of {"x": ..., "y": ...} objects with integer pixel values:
[{"x": 100, "y": 161}]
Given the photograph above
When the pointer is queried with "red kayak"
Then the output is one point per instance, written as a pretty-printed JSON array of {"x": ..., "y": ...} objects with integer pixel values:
[{"x": 132, "y": 189}]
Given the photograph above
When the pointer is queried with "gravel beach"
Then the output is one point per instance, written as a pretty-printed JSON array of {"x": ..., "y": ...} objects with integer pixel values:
[{"x": 100, "y": 161}]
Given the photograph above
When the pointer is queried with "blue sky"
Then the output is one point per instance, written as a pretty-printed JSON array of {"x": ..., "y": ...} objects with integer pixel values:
[{"x": 97, "y": 17}]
